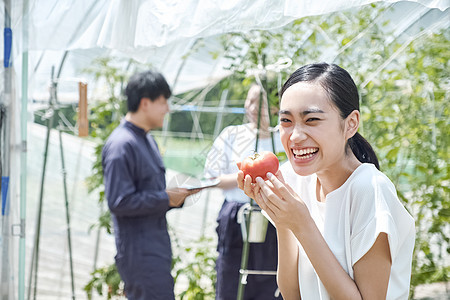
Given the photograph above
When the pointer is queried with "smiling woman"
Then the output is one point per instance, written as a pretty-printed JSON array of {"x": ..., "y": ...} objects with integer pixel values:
[
  {"x": 327, "y": 98},
  {"x": 335, "y": 213},
  {"x": 312, "y": 129}
]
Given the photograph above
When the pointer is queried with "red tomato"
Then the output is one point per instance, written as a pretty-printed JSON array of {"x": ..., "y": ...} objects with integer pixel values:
[{"x": 259, "y": 164}]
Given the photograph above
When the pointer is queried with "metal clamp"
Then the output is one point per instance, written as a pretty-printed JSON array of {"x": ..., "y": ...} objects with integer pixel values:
[
  {"x": 21, "y": 229},
  {"x": 245, "y": 273}
]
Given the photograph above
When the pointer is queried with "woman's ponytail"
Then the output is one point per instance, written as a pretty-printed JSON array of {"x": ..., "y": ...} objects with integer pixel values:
[{"x": 363, "y": 150}]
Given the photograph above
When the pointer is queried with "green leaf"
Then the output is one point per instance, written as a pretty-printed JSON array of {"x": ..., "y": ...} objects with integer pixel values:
[{"x": 393, "y": 153}]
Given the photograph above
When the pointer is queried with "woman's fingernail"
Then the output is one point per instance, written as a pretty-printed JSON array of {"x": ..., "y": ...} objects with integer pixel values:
[
  {"x": 259, "y": 180},
  {"x": 269, "y": 175}
]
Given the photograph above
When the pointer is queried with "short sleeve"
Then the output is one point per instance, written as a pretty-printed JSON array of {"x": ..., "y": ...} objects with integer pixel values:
[
  {"x": 364, "y": 240},
  {"x": 374, "y": 214}
]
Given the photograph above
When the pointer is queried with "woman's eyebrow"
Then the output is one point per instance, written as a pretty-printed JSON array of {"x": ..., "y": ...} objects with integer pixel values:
[
  {"x": 284, "y": 112},
  {"x": 303, "y": 113},
  {"x": 312, "y": 111}
]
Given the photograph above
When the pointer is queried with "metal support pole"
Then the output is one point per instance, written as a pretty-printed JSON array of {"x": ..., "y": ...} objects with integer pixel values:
[
  {"x": 66, "y": 202},
  {"x": 23, "y": 154},
  {"x": 97, "y": 238},
  {"x": 259, "y": 119},
  {"x": 264, "y": 90},
  {"x": 244, "y": 259},
  {"x": 55, "y": 99},
  {"x": 97, "y": 245},
  {"x": 35, "y": 258},
  {"x": 5, "y": 158},
  {"x": 219, "y": 117},
  {"x": 246, "y": 247}
]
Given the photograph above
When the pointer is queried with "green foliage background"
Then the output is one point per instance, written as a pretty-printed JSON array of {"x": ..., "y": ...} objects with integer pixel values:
[{"x": 404, "y": 88}]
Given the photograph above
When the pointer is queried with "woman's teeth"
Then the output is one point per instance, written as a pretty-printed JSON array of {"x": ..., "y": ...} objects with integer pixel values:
[{"x": 304, "y": 153}]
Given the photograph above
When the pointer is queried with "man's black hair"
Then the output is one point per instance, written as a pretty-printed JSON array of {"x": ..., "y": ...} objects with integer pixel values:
[{"x": 148, "y": 84}]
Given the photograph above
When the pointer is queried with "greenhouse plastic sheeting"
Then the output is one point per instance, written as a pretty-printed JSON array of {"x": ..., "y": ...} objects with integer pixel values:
[
  {"x": 129, "y": 25},
  {"x": 160, "y": 33}
]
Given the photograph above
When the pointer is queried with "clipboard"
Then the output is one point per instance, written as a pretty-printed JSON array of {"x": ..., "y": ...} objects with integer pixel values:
[{"x": 202, "y": 184}]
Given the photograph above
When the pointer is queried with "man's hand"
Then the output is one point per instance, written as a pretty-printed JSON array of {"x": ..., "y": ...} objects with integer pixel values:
[{"x": 178, "y": 195}]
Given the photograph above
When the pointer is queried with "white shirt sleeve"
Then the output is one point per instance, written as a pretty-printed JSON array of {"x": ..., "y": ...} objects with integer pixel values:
[{"x": 374, "y": 211}]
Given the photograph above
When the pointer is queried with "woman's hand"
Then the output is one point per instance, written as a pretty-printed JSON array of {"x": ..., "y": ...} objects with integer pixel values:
[
  {"x": 280, "y": 202},
  {"x": 245, "y": 184}
]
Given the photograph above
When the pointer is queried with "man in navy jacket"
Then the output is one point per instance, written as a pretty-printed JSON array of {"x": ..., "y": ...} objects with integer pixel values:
[{"x": 135, "y": 186}]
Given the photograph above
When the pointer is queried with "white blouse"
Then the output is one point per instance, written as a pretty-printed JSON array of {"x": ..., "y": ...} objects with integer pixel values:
[{"x": 350, "y": 220}]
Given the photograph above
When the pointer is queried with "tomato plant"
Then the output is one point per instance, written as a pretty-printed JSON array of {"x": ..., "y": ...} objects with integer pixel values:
[{"x": 258, "y": 164}]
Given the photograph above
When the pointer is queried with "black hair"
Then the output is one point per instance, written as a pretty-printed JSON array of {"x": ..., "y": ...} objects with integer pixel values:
[
  {"x": 342, "y": 91},
  {"x": 148, "y": 84}
]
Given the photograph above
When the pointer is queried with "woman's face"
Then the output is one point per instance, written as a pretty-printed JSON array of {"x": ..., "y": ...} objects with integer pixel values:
[{"x": 312, "y": 132}]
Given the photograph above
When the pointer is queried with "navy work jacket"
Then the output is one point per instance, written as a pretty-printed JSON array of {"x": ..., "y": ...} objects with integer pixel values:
[{"x": 135, "y": 184}]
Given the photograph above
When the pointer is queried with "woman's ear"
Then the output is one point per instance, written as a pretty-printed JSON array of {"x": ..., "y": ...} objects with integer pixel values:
[{"x": 352, "y": 124}]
